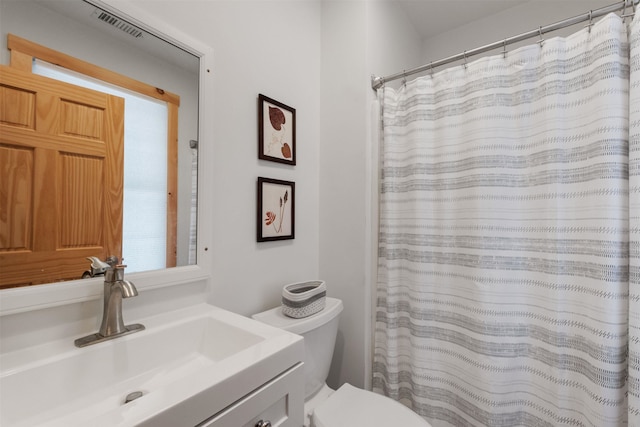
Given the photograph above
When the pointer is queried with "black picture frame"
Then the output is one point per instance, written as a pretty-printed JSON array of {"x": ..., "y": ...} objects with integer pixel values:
[
  {"x": 276, "y": 210},
  {"x": 276, "y": 131}
]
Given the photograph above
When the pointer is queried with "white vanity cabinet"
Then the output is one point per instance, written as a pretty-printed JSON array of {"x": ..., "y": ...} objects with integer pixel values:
[{"x": 278, "y": 403}]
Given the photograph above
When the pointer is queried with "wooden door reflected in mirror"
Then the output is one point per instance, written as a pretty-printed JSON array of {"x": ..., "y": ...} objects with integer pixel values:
[
  {"x": 62, "y": 169},
  {"x": 58, "y": 144}
]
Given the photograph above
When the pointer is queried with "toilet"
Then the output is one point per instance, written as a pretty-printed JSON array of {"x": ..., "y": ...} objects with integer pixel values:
[{"x": 347, "y": 406}]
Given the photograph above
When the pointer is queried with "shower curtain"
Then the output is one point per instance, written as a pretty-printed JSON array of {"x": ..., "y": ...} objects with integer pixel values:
[{"x": 508, "y": 243}]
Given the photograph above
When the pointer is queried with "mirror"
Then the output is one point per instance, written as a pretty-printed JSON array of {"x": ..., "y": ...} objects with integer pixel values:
[{"x": 93, "y": 34}]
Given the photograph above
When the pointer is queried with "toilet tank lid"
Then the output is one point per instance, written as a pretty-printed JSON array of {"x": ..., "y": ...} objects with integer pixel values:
[{"x": 275, "y": 317}]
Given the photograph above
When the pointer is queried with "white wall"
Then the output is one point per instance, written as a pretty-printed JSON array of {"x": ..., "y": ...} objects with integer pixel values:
[
  {"x": 510, "y": 22},
  {"x": 273, "y": 48},
  {"x": 343, "y": 179},
  {"x": 393, "y": 44},
  {"x": 358, "y": 38}
]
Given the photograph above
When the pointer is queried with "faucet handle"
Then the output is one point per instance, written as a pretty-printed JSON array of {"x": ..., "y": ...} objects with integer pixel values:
[
  {"x": 112, "y": 260},
  {"x": 97, "y": 264},
  {"x": 97, "y": 268},
  {"x": 115, "y": 271}
]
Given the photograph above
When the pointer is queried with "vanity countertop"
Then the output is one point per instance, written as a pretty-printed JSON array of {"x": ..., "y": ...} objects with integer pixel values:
[{"x": 188, "y": 363}]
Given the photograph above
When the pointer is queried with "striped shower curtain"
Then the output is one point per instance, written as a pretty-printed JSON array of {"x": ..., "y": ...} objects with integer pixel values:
[
  {"x": 633, "y": 381},
  {"x": 508, "y": 255}
]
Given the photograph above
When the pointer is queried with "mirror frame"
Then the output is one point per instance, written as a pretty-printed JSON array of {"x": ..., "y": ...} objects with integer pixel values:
[{"x": 19, "y": 300}]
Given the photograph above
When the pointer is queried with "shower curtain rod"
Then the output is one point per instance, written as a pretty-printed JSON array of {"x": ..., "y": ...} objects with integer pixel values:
[{"x": 378, "y": 82}]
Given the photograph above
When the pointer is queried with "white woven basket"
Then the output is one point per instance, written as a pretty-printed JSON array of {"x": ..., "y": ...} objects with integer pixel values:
[{"x": 304, "y": 298}]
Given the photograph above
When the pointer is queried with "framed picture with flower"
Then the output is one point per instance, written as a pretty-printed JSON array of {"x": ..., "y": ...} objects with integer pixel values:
[
  {"x": 276, "y": 131},
  {"x": 276, "y": 209}
]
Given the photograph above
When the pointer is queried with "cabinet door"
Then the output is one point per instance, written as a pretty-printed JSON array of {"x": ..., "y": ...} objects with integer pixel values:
[{"x": 280, "y": 401}]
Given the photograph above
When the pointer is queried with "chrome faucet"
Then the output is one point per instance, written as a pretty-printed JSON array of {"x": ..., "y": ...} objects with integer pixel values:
[{"x": 115, "y": 288}]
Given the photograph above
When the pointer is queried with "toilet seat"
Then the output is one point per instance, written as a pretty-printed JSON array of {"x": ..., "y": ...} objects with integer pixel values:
[{"x": 349, "y": 406}]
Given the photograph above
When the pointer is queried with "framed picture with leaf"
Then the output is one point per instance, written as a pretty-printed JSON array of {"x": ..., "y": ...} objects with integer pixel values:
[
  {"x": 276, "y": 209},
  {"x": 276, "y": 131}
]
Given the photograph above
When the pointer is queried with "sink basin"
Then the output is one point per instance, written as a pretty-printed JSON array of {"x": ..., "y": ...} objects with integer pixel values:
[{"x": 187, "y": 365}]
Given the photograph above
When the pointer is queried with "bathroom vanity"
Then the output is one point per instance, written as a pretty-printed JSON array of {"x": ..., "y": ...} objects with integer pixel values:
[{"x": 196, "y": 366}]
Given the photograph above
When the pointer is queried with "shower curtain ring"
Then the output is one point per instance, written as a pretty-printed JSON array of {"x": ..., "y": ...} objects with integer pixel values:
[
  {"x": 624, "y": 15},
  {"x": 465, "y": 59},
  {"x": 541, "y": 41},
  {"x": 504, "y": 48},
  {"x": 431, "y": 68},
  {"x": 590, "y": 24},
  {"x": 404, "y": 78}
]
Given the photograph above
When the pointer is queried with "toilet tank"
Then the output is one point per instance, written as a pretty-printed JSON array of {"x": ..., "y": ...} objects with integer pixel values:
[{"x": 319, "y": 332}]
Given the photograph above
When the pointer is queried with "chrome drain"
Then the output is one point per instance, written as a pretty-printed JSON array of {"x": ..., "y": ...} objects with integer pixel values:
[{"x": 132, "y": 396}]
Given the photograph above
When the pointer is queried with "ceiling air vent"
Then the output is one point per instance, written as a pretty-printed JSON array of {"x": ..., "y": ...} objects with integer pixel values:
[{"x": 118, "y": 23}]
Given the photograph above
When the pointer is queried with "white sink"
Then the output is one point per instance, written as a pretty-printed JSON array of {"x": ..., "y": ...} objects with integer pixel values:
[{"x": 188, "y": 364}]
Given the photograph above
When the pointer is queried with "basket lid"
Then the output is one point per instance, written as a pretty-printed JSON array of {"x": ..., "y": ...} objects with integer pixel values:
[{"x": 275, "y": 317}]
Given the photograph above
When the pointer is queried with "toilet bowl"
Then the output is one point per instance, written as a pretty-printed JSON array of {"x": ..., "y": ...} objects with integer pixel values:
[
  {"x": 350, "y": 406},
  {"x": 347, "y": 406}
]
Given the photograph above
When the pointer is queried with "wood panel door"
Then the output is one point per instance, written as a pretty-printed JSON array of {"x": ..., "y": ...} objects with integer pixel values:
[{"x": 61, "y": 178}]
